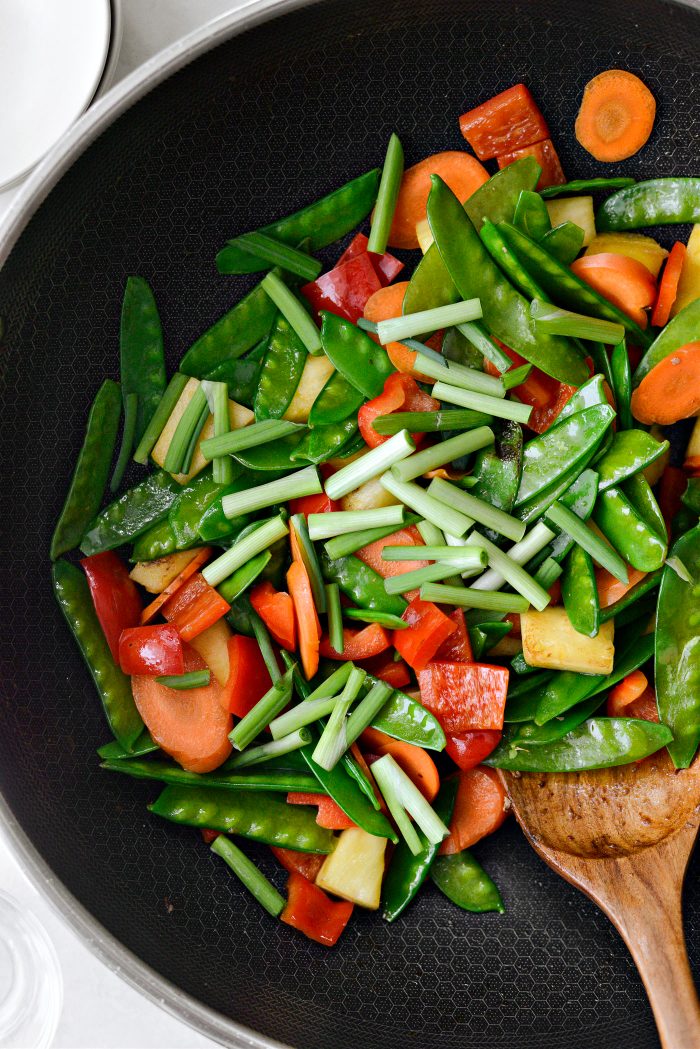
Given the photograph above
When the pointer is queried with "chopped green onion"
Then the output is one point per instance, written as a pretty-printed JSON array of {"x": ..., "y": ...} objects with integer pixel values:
[
  {"x": 199, "y": 426},
  {"x": 578, "y": 530},
  {"x": 335, "y": 617},
  {"x": 370, "y": 465},
  {"x": 334, "y": 683},
  {"x": 248, "y": 437},
  {"x": 431, "y": 509},
  {"x": 479, "y": 402},
  {"x": 458, "y": 375},
  {"x": 531, "y": 544},
  {"x": 182, "y": 682},
  {"x": 443, "y": 452},
  {"x": 366, "y": 710},
  {"x": 302, "y": 714},
  {"x": 367, "y": 615},
  {"x": 245, "y": 870},
  {"x": 435, "y": 553},
  {"x": 340, "y": 522},
  {"x": 131, "y": 408},
  {"x": 334, "y": 742},
  {"x": 254, "y": 543},
  {"x": 513, "y": 573},
  {"x": 274, "y": 749},
  {"x": 264, "y": 711},
  {"x": 401, "y": 794},
  {"x": 431, "y": 534},
  {"x": 475, "y": 333},
  {"x": 401, "y": 584},
  {"x": 293, "y": 486},
  {"x": 310, "y": 560},
  {"x": 550, "y": 320},
  {"x": 398, "y": 328},
  {"x": 412, "y": 344},
  {"x": 160, "y": 417},
  {"x": 483, "y": 512},
  {"x": 516, "y": 376},
  {"x": 288, "y": 304},
  {"x": 548, "y": 573},
  {"x": 278, "y": 254},
  {"x": 387, "y": 196},
  {"x": 222, "y": 466},
  {"x": 262, "y": 636},
  {"x": 470, "y": 598},
  {"x": 186, "y": 427},
  {"x": 429, "y": 422},
  {"x": 344, "y": 545}
]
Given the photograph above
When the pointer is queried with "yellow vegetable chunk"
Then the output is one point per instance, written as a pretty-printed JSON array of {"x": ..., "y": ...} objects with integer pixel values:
[
  {"x": 634, "y": 245},
  {"x": 212, "y": 645},
  {"x": 317, "y": 371},
  {"x": 355, "y": 868},
  {"x": 154, "y": 576},
  {"x": 551, "y": 642},
  {"x": 424, "y": 234},
  {"x": 693, "y": 448},
  {"x": 573, "y": 209},
  {"x": 369, "y": 496},
  {"x": 689, "y": 284}
]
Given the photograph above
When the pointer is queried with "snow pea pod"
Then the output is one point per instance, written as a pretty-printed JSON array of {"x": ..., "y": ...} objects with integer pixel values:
[
  {"x": 580, "y": 499},
  {"x": 534, "y": 508},
  {"x": 244, "y": 577},
  {"x": 591, "y": 393},
  {"x": 465, "y": 882},
  {"x": 361, "y": 584},
  {"x": 325, "y": 442},
  {"x": 644, "y": 586},
  {"x": 509, "y": 263},
  {"x": 628, "y": 531},
  {"x": 681, "y": 329},
  {"x": 337, "y": 400},
  {"x": 358, "y": 358},
  {"x": 564, "y": 242},
  {"x": 677, "y": 663},
  {"x": 404, "y": 718},
  {"x": 113, "y": 686},
  {"x": 657, "y": 202},
  {"x": 407, "y": 872},
  {"x": 213, "y": 524},
  {"x": 258, "y": 815},
  {"x": 114, "y": 751},
  {"x": 497, "y": 469},
  {"x": 630, "y": 452},
  {"x": 273, "y": 456},
  {"x": 586, "y": 185},
  {"x": 691, "y": 495},
  {"x": 89, "y": 479},
  {"x": 580, "y": 593},
  {"x": 458, "y": 348},
  {"x": 532, "y": 734},
  {"x": 621, "y": 384},
  {"x": 323, "y": 222},
  {"x": 132, "y": 513},
  {"x": 483, "y": 636},
  {"x": 506, "y": 313},
  {"x": 241, "y": 374},
  {"x": 239, "y": 330},
  {"x": 598, "y": 743},
  {"x": 531, "y": 215},
  {"x": 157, "y": 541},
  {"x": 186, "y": 513},
  {"x": 260, "y": 778},
  {"x": 281, "y": 371},
  {"x": 638, "y": 491},
  {"x": 142, "y": 361}
]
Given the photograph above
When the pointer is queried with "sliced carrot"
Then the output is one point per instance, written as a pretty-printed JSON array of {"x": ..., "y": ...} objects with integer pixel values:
[
  {"x": 624, "y": 693},
  {"x": 372, "y": 554},
  {"x": 480, "y": 808},
  {"x": 152, "y": 610},
  {"x": 671, "y": 487},
  {"x": 546, "y": 156},
  {"x": 194, "y": 607},
  {"x": 330, "y": 815},
  {"x": 192, "y": 725},
  {"x": 616, "y": 115},
  {"x": 611, "y": 589},
  {"x": 462, "y": 173},
  {"x": 308, "y": 626},
  {"x": 415, "y": 762},
  {"x": 306, "y": 863},
  {"x": 644, "y": 707},
  {"x": 382, "y": 306},
  {"x": 671, "y": 390},
  {"x": 276, "y": 610},
  {"x": 625, "y": 282},
  {"x": 371, "y": 641},
  {"x": 668, "y": 288}
]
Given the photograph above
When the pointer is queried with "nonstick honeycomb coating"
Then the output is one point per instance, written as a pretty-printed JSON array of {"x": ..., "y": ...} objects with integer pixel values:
[{"x": 255, "y": 129}]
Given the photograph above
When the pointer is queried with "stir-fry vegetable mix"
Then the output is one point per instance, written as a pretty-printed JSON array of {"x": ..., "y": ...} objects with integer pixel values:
[{"x": 401, "y": 534}]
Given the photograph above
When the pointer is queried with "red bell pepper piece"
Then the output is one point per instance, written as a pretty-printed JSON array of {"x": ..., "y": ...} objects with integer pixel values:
[
  {"x": 456, "y": 648},
  {"x": 306, "y": 863},
  {"x": 546, "y": 395},
  {"x": 199, "y": 559},
  {"x": 248, "y": 676},
  {"x": 151, "y": 650},
  {"x": 428, "y": 628},
  {"x": 546, "y": 156},
  {"x": 401, "y": 393},
  {"x": 465, "y": 696},
  {"x": 313, "y": 504},
  {"x": 480, "y": 808},
  {"x": 330, "y": 815},
  {"x": 276, "y": 610},
  {"x": 114, "y": 595},
  {"x": 358, "y": 644},
  {"x": 386, "y": 266},
  {"x": 310, "y": 911},
  {"x": 372, "y": 553},
  {"x": 470, "y": 748},
  {"x": 208, "y": 836},
  {"x": 671, "y": 487},
  {"x": 194, "y": 607},
  {"x": 345, "y": 289},
  {"x": 505, "y": 122},
  {"x": 386, "y": 668}
]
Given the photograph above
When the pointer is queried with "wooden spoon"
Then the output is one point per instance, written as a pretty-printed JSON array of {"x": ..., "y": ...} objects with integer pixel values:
[{"x": 624, "y": 836}]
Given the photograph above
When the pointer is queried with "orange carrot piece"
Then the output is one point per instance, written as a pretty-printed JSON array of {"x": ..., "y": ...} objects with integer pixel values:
[
  {"x": 671, "y": 390},
  {"x": 308, "y": 626},
  {"x": 306, "y": 863},
  {"x": 625, "y": 692},
  {"x": 415, "y": 762},
  {"x": 616, "y": 115},
  {"x": 625, "y": 282},
  {"x": 462, "y": 172},
  {"x": 668, "y": 288},
  {"x": 611, "y": 589},
  {"x": 480, "y": 808},
  {"x": 330, "y": 815},
  {"x": 372, "y": 554},
  {"x": 152, "y": 610},
  {"x": 382, "y": 306},
  {"x": 276, "y": 610}
]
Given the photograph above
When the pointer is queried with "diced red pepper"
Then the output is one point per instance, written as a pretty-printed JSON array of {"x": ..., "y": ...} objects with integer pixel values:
[
  {"x": 248, "y": 678},
  {"x": 208, "y": 836},
  {"x": 465, "y": 696},
  {"x": 358, "y": 644},
  {"x": 480, "y": 808},
  {"x": 114, "y": 595},
  {"x": 194, "y": 607},
  {"x": 401, "y": 393},
  {"x": 345, "y": 289},
  {"x": 330, "y": 815},
  {"x": 428, "y": 628},
  {"x": 310, "y": 911},
  {"x": 505, "y": 122},
  {"x": 546, "y": 395},
  {"x": 306, "y": 863},
  {"x": 276, "y": 610},
  {"x": 671, "y": 487},
  {"x": 313, "y": 504},
  {"x": 386, "y": 266},
  {"x": 546, "y": 156},
  {"x": 151, "y": 650},
  {"x": 456, "y": 648},
  {"x": 542, "y": 418},
  {"x": 470, "y": 748},
  {"x": 386, "y": 668}
]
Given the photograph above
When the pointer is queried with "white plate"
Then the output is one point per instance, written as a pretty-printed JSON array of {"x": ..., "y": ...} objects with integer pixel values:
[{"x": 52, "y": 53}]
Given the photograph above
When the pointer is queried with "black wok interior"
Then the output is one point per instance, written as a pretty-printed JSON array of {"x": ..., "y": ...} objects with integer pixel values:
[{"x": 254, "y": 129}]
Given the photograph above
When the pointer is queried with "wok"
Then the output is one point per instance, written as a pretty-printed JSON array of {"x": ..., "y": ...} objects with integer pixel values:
[{"x": 220, "y": 135}]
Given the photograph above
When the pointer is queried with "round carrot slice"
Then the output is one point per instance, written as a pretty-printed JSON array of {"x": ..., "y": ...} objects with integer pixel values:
[
  {"x": 481, "y": 805},
  {"x": 616, "y": 115},
  {"x": 625, "y": 282},
  {"x": 671, "y": 390},
  {"x": 462, "y": 172},
  {"x": 382, "y": 306},
  {"x": 415, "y": 762}
]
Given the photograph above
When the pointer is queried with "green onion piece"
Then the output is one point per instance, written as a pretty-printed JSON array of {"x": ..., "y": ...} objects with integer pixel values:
[
  {"x": 470, "y": 598},
  {"x": 344, "y": 545},
  {"x": 436, "y": 553},
  {"x": 293, "y": 486},
  {"x": 267, "y": 708},
  {"x": 334, "y": 683},
  {"x": 548, "y": 573},
  {"x": 387, "y": 196},
  {"x": 479, "y": 402},
  {"x": 178, "y": 447},
  {"x": 412, "y": 344},
  {"x": 182, "y": 682},
  {"x": 431, "y": 509},
  {"x": 335, "y": 617},
  {"x": 334, "y": 742},
  {"x": 368, "y": 615},
  {"x": 483, "y": 512},
  {"x": 513, "y": 573},
  {"x": 249, "y": 437},
  {"x": 310, "y": 560},
  {"x": 516, "y": 376},
  {"x": 370, "y": 465},
  {"x": 401, "y": 584},
  {"x": 222, "y": 466},
  {"x": 131, "y": 407},
  {"x": 531, "y": 544},
  {"x": 254, "y": 543},
  {"x": 443, "y": 452},
  {"x": 160, "y": 417},
  {"x": 477, "y": 335},
  {"x": 278, "y": 254},
  {"x": 366, "y": 710},
  {"x": 199, "y": 426},
  {"x": 302, "y": 714},
  {"x": 288, "y": 304},
  {"x": 246, "y": 872},
  {"x": 262, "y": 636},
  {"x": 340, "y": 522},
  {"x": 578, "y": 530},
  {"x": 431, "y": 534},
  {"x": 396, "y": 785},
  {"x": 429, "y": 422},
  {"x": 274, "y": 749},
  {"x": 398, "y": 328},
  {"x": 459, "y": 375},
  {"x": 550, "y": 320}
]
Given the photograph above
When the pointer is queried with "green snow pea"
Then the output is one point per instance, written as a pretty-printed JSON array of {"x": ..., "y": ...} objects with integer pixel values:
[
  {"x": 337, "y": 400},
  {"x": 591, "y": 393},
  {"x": 358, "y": 358},
  {"x": 465, "y": 882},
  {"x": 114, "y": 751},
  {"x": 186, "y": 513},
  {"x": 252, "y": 814},
  {"x": 598, "y": 743},
  {"x": 531, "y": 215},
  {"x": 323, "y": 222},
  {"x": 141, "y": 351},
  {"x": 630, "y": 452},
  {"x": 458, "y": 348},
  {"x": 259, "y": 778},
  {"x": 273, "y": 456},
  {"x": 89, "y": 479},
  {"x": 638, "y": 491},
  {"x": 361, "y": 584},
  {"x": 683, "y": 522},
  {"x": 407, "y": 872},
  {"x": 114, "y": 687},
  {"x": 580, "y": 593},
  {"x": 431, "y": 284},
  {"x": 281, "y": 371},
  {"x": 691, "y": 495},
  {"x": 213, "y": 524},
  {"x": 244, "y": 577},
  {"x": 622, "y": 384},
  {"x": 564, "y": 242},
  {"x": 580, "y": 499},
  {"x": 132, "y": 513},
  {"x": 627, "y": 530},
  {"x": 532, "y": 734},
  {"x": 484, "y": 636},
  {"x": 681, "y": 329},
  {"x": 497, "y": 469},
  {"x": 586, "y": 185},
  {"x": 509, "y": 263},
  {"x": 157, "y": 541},
  {"x": 241, "y": 374},
  {"x": 506, "y": 313},
  {"x": 601, "y": 361},
  {"x": 657, "y": 202},
  {"x": 325, "y": 442},
  {"x": 523, "y": 705},
  {"x": 641, "y": 589},
  {"x": 480, "y": 339},
  {"x": 404, "y": 718},
  {"x": 677, "y": 659},
  {"x": 534, "y": 508},
  {"x": 564, "y": 288}
]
